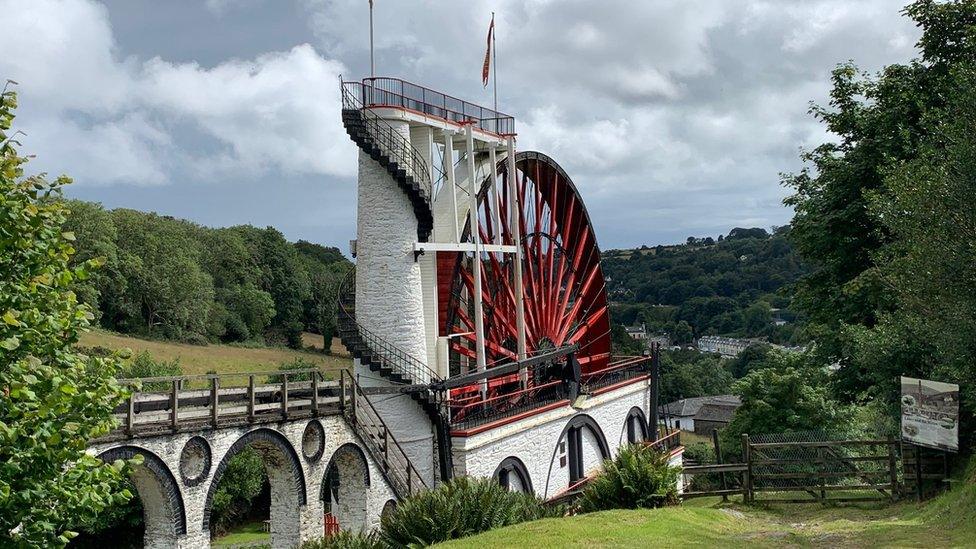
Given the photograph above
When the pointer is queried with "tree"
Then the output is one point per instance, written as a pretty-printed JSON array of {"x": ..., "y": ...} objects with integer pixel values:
[
  {"x": 688, "y": 374},
  {"x": 878, "y": 122},
  {"x": 683, "y": 332},
  {"x": 55, "y": 399},
  {"x": 791, "y": 395},
  {"x": 95, "y": 237},
  {"x": 926, "y": 208}
]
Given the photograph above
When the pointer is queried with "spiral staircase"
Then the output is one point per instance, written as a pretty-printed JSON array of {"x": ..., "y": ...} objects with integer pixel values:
[{"x": 393, "y": 151}]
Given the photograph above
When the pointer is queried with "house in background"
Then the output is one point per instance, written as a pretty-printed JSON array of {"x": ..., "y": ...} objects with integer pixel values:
[
  {"x": 637, "y": 332},
  {"x": 685, "y": 414},
  {"x": 714, "y": 415}
]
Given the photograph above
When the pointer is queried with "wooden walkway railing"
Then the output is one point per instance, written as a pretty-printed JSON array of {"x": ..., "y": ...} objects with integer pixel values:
[{"x": 169, "y": 404}]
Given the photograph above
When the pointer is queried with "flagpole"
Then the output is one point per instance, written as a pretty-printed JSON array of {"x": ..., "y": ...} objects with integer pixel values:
[
  {"x": 494, "y": 62},
  {"x": 372, "y": 66}
]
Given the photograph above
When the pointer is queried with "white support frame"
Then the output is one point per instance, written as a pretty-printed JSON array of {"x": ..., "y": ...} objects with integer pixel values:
[{"x": 479, "y": 324}]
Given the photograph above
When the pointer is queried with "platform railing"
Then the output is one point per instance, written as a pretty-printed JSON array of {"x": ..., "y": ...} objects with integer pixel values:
[
  {"x": 619, "y": 370},
  {"x": 394, "y": 92}
]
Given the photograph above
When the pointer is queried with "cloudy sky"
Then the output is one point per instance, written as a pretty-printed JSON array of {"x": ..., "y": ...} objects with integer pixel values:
[{"x": 673, "y": 117}]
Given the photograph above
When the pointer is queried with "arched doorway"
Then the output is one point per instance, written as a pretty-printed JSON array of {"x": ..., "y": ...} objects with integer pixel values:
[
  {"x": 164, "y": 515},
  {"x": 345, "y": 488},
  {"x": 512, "y": 474},
  {"x": 286, "y": 479},
  {"x": 580, "y": 449},
  {"x": 635, "y": 427}
]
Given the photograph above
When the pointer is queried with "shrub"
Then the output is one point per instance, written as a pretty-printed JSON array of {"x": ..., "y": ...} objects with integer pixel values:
[
  {"x": 297, "y": 364},
  {"x": 144, "y": 365},
  {"x": 346, "y": 540},
  {"x": 639, "y": 477},
  {"x": 461, "y": 507}
]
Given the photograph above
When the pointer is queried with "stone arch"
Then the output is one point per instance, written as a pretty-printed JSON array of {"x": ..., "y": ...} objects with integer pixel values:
[
  {"x": 345, "y": 487},
  {"x": 512, "y": 474},
  {"x": 162, "y": 501},
  {"x": 287, "y": 479},
  {"x": 578, "y": 423},
  {"x": 635, "y": 427}
]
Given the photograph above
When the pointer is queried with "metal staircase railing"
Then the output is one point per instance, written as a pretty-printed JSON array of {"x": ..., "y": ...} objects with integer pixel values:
[
  {"x": 391, "y": 150},
  {"x": 391, "y": 361},
  {"x": 392, "y": 460}
]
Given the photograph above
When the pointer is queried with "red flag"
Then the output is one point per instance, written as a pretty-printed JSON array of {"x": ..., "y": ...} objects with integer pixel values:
[{"x": 487, "y": 65}]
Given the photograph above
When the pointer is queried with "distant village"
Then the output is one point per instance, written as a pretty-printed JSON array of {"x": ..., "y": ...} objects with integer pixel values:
[
  {"x": 701, "y": 414},
  {"x": 726, "y": 347}
]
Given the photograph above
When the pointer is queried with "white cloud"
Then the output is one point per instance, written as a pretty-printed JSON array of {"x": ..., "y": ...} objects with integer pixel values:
[
  {"x": 671, "y": 116},
  {"x": 107, "y": 120}
]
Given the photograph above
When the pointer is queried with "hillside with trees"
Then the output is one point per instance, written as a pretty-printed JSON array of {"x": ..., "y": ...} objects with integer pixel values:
[
  {"x": 172, "y": 279},
  {"x": 735, "y": 285}
]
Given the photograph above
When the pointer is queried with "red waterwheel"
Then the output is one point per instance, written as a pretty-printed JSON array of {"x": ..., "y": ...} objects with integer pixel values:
[{"x": 565, "y": 295}]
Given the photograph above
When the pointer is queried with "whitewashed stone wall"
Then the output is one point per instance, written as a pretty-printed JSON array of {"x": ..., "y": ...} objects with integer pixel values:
[
  {"x": 291, "y": 521},
  {"x": 389, "y": 296},
  {"x": 536, "y": 440}
]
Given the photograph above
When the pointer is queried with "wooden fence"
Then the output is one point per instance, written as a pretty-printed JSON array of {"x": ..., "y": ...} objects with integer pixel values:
[{"x": 803, "y": 472}]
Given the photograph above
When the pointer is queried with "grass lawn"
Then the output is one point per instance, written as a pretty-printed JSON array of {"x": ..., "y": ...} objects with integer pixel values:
[
  {"x": 245, "y": 534},
  {"x": 199, "y": 359},
  {"x": 947, "y": 521}
]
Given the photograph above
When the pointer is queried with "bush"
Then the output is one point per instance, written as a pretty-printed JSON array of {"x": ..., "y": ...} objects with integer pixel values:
[
  {"x": 639, "y": 477},
  {"x": 461, "y": 507},
  {"x": 144, "y": 365},
  {"x": 297, "y": 364},
  {"x": 345, "y": 540}
]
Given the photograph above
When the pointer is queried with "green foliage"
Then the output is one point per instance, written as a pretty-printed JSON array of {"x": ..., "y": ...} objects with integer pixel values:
[
  {"x": 687, "y": 374},
  {"x": 169, "y": 278},
  {"x": 239, "y": 487},
  {"x": 346, "y": 540},
  {"x": 55, "y": 399},
  {"x": 789, "y": 395},
  {"x": 928, "y": 265},
  {"x": 705, "y": 287},
  {"x": 882, "y": 122},
  {"x": 638, "y": 477},
  {"x": 143, "y": 365},
  {"x": 461, "y": 507},
  {"x": 622, "y": 344},
  {"x": 297, "y": 364}
]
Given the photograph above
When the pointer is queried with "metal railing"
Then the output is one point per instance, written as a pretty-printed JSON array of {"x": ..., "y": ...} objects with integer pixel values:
[
  {"x": 620, "y": 369},
  {"x": 394, "y": 92},
  {"x": 381, "y": 351},
  {"x": 390, "y": 142},
  {"x": 386, "y": 451},
  {"x": 175, "y": 403}
]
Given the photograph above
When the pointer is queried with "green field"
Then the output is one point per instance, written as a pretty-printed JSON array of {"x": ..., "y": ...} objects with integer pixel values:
[
  {"x": 200, "y": 359},
  {"x": 946, "y": 521}
]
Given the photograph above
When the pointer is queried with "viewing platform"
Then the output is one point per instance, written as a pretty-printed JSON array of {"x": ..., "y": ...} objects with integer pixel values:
[{"x": 387, "y": 92}]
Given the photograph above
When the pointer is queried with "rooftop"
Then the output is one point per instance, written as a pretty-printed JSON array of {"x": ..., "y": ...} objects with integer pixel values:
[{"x": 691, "y": 406}]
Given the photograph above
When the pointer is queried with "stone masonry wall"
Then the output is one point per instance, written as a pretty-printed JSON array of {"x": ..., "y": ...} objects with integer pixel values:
[{"x": 304, "y": 522}]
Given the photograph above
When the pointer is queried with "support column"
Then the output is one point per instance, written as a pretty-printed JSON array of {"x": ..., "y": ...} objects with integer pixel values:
[
  {"x": 479, "y": 327},
  {"x": 513, "y": 216}
]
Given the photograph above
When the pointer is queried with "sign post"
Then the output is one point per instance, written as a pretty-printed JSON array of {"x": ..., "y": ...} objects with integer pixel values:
[{"x": 930, "y": 413}]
